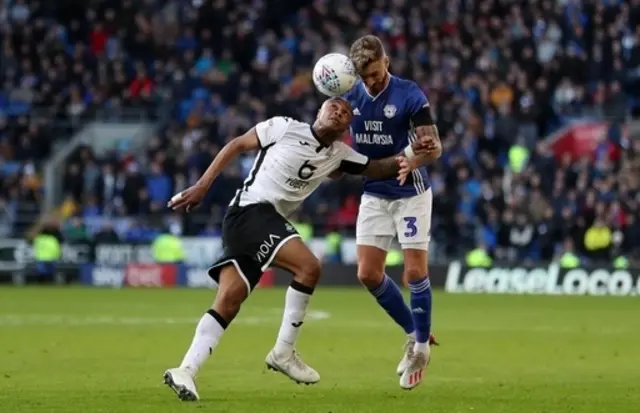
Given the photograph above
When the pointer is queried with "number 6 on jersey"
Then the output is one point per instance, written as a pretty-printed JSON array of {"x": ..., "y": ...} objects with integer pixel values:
[{"x": 306, "y": 170}]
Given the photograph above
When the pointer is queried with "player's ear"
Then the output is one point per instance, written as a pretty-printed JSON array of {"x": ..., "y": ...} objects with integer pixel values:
[{"x": 385, "y": 59}]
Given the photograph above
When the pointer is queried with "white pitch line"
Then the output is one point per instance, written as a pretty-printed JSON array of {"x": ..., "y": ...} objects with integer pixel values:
[
  {"x": 273, "y": 316},
  {"x": 71, "y": 320}
]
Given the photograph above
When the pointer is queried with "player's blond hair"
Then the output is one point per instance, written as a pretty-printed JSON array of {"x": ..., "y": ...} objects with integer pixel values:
[{"x": 365, "y": 50}]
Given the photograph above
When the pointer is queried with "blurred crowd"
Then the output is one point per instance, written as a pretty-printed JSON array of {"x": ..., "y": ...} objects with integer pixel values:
[{"x": 499, "y": 75}]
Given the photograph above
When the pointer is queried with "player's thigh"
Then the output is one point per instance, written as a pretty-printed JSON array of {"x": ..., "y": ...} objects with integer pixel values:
[
  {"x": 295, "y": 257},
  {"x": 375, "y": 226},
  {"x": 252, "y": 237},
  {"x": 413, "y": 220},
  {"x": 375, "y": 230}
]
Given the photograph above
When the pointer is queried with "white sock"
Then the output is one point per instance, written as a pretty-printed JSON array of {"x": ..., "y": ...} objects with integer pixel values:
[
  {"x": 412, "y": 335},
  {"x": 421, "y": 348},
  {"x": 295, "y": 308},
  {"x": 205, "y": 340}
]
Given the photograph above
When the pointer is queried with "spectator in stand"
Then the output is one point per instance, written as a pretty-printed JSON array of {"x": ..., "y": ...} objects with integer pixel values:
[
  {"x": 498, "y": 75},
  {"x": 47, "y": 251}
]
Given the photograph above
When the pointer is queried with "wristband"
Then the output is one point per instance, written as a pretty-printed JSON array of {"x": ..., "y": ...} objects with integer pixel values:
[{"x": 408, "y": 152}]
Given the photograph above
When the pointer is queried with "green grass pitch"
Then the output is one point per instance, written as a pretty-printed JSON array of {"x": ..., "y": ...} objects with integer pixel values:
[{"x": 77, "y": 350}]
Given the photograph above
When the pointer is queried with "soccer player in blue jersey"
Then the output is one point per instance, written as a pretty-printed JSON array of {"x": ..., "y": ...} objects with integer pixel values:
[{"x": 389, "y": 113}]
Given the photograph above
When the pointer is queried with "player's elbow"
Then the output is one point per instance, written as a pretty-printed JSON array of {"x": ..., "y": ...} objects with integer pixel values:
[
  {"x": 240, "y": 146},
  {"x": 244, "y": 143},
  {"x": 231, "y": 150}
]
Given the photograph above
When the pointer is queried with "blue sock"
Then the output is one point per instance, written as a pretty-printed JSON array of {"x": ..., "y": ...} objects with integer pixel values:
[
  {"x": 421, "y": 308},
  {"x": 390, "y": 298}
]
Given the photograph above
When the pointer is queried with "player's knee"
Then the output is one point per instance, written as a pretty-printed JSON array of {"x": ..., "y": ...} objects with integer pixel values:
[
  {"x": 415, "y": 264},
  {"x": 309, "y": 272},
  {"x": 369, "y": 277},
  {"x": 228, "y": 302},
  {"x": 414, "y": 273},
  {"x": 232, "y": 291}
]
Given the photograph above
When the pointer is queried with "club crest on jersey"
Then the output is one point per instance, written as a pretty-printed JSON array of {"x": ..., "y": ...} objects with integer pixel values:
[
  {"x": 389, "y": 111},
  {"x": 356, "y": 112}
]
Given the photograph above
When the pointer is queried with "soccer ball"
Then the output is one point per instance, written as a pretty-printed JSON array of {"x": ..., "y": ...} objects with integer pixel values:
[{"x": 334, "y": 74}]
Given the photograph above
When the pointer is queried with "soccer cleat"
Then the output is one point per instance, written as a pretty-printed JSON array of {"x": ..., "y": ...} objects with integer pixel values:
[
  {"x": 408, "y": 353},
  {"x": 182, "y": 383},
  {"x": 406, "y": 358},
  {"x": 292, "y": 366},
  {"x": 412, "y": 376}
]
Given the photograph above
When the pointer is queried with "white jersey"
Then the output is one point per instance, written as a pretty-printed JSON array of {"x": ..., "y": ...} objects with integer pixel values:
[{"x": 291, "y": 164}]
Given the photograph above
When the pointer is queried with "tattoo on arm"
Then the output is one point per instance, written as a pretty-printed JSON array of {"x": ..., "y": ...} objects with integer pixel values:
[
  {"x": 387, "y": 168},
  {"x": 430, "y": 132}
]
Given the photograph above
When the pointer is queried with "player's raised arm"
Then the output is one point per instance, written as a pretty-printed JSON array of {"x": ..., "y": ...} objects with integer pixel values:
[
  {"x": 426, "y": 130},
  {"x": 355, "y": 163},
  {"x": 432, "y": 150},
  {"x": 423, "y": 124},
  {"x": 263, "y": 135}
]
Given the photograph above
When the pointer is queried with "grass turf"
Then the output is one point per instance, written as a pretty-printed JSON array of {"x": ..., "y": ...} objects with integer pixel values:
[{"x": 95, "y": 350}]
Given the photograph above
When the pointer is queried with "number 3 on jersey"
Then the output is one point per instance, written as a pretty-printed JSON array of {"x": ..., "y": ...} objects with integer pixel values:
[
  {"x": 412, "y": 230},
  {"x": 306, "y": 171}
]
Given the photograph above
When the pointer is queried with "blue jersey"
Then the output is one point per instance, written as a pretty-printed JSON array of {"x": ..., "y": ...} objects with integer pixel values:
[{"x": 382, "y": 127}]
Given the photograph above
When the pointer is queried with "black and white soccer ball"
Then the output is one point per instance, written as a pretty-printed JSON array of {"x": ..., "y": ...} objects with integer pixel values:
[{"x": 334, "y": 74}]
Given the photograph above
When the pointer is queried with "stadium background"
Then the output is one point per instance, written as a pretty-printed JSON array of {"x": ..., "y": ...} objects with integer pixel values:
[{"x": 109, "y": 107}]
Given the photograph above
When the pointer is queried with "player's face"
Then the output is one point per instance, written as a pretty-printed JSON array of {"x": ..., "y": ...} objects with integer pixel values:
[
  {"x": 374, "y": 75},
  {"x": 336, "y": 115}
]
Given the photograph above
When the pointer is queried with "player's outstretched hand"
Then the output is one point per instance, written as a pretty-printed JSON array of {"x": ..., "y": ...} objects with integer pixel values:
[
  {"x": 424, "y": 146},
  {"x": 188, "y": 199},
  {"x": 405, "y": 165}
]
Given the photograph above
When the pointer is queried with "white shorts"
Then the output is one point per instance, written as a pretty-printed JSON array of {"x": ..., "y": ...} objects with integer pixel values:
[{"x": 380, "y": 220}]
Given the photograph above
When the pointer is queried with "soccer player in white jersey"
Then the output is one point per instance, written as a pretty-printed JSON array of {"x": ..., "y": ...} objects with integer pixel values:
[
  {"x": 389, "y": 113},
  {"x": 293, "y": 160}
]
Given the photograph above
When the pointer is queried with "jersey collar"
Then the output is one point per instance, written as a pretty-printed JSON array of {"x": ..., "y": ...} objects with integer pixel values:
[
  {"x": 322, "y": 145},
  {"x": 384, "y": 89}
]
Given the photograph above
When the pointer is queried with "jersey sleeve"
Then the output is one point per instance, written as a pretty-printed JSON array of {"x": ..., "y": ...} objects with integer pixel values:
[
  {"x": 416, "y": 100},
  {"x": 271, "y": 130},
  {"x": 352, "y": 162}
]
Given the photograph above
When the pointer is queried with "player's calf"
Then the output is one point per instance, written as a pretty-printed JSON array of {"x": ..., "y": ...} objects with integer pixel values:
[
  {"x": 371, "y": 274},
  {"x": 283, "y": 357},
  {"x": 389, "y": 297},
  {"x": 232, "y": 291},
  {"x": 295, "y": 257},
  {"x": 421, "y": 304},
  {"x": 417, "y": 351}
]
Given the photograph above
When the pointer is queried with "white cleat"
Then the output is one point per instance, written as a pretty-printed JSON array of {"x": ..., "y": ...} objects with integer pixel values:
[
  {"x": 408, "y": 352},
  {"x": 406, "y": 358},
  {"x": 414, "y": 373},
  {"x": 292, "y": 366},
  {"x": 182, "y": 383}
]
